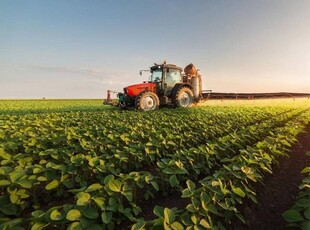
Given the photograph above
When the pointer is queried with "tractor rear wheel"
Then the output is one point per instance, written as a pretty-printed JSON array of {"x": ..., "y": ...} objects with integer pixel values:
[
  {"x": 184, "y": 97},
  {"x": 147, "y": 101}
]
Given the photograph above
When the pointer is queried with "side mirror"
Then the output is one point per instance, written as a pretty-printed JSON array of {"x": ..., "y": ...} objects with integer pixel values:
[{"x": 140, "y": 73}]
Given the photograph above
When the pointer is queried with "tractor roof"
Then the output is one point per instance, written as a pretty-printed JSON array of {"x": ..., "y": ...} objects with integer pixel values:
[{"x": 172, "y": 66}]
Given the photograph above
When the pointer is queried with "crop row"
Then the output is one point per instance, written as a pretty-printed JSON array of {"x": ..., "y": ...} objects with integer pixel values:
[
  {"x": 14, "y": 107},
  {"x": 217, "y": 196},
  {"x": 299, "y": 214},
  {"x": 89, "y": 169}
]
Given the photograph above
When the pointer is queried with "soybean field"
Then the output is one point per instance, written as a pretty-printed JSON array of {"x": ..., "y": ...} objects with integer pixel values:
[{"x": 77, "y": 164}]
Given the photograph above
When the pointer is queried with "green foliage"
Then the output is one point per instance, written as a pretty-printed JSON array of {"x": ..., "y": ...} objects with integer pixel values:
[
  {"x": 77, "y": 165},
  {"x": 299, "y": 214}
]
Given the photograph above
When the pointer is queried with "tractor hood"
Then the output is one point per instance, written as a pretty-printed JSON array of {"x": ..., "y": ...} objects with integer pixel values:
[{"x": 135, "y": 90}]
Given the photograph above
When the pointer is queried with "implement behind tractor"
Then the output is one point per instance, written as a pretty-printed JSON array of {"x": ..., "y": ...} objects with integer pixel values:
[{"x": 169, "y": 86}]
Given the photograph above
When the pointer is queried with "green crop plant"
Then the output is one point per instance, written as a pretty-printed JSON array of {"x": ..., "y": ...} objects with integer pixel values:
[
  {"x": 299, "y": 214},
  {"x": 77, "y": 164}
]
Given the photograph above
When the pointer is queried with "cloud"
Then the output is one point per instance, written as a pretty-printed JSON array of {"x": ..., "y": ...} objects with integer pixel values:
[
  {"x": 78, "y": 70},
  {"x": 97, "y": 75},
  {"x": 80, "y": 79}
]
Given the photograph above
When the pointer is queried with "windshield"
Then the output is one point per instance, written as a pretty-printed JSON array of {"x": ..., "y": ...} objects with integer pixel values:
[{"x": 156, "y": 75}]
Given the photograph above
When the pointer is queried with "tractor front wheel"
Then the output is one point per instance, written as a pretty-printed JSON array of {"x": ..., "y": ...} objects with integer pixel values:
[
  {"x": 184, "y": 97},
  {"x": 147, "y": 101}
]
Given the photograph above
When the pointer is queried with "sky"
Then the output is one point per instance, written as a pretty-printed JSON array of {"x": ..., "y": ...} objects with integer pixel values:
[{"x": 80, "y": 49}]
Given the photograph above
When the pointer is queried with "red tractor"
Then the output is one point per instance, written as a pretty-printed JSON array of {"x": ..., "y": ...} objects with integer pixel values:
[{"x": 167, "y": 85}]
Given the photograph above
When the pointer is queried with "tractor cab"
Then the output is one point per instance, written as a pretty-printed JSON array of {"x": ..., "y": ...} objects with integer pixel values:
[{"x": 165, "y": 76}]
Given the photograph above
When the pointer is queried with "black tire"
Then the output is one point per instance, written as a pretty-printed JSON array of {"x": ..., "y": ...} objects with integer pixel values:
[
  {"x": 184, "y": 97},
  {"x": 147, "y": 101}
]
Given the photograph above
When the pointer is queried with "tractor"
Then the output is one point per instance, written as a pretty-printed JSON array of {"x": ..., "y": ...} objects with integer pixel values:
[{"x": 167, "y": 86}]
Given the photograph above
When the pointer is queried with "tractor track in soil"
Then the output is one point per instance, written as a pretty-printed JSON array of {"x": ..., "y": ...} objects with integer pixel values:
[{"x": 279, "y": 191}]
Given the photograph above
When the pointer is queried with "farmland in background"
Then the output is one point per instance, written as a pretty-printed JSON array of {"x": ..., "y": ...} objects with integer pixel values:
[{"x": 78, "y": 164}]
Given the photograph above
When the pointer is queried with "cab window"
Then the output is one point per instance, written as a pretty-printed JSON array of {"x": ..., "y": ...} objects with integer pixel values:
[{"x": 172, "y": 77}]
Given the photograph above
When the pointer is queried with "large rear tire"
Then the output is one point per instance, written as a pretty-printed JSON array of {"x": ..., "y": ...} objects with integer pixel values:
[
  {"x": 184, "y": 97},
  {"x": 147, "y": 101}
]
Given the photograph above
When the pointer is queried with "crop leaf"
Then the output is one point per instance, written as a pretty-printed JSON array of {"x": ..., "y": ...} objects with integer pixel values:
[
  {"x": 191, "y": 185},
  {"x": 238, "y": 191},
  {"x": 37, "y": 213},
  {"x": 14, "y": 198},
  {"x": 173, "y": 180},
  {"x": 176, "y": 226},
  {"x": 39, "y": 226},
  {"x": 4, "y": 183},
  {"x": 75, "y": 226},
  {"x": 108, "y": 178},
  {"x": 205, "y": 224},
  {"x": 106, "y": 217},
  {"x": 138, "y": 226},
  {"x": 56, "y": 215},
  {"x": 187, "y": 193},
  {"x": 155, "y": 185},
  {"x": 169, "y": 215},
  {"x": 8, "y": 209},
  {"x": 158, "y": 211},
  {"x": 303, "y": 202},
  {"x": 292, "y": 216},
  {"x": 83, "y": 198},
  {"x": 306, "y": 170},
  {"x": 90, "y": 213},
  {"x": 41, "y": 178},
  {"x": 25, "y": 183},
  {"x": 52, "y": 185},
  {"x": 73, "y": 215},
  {"x": 212, "y": 208},
  {"x": 16, "y": 175},
  {"x": 115, "y": 185},
  {"x": 100, "y": 201},
  {"x": 128, "y": 195},
  {"x": 194, "y": 219},
  {"x": 4, "y": 170},
  {"x": 4, "y": 155}
]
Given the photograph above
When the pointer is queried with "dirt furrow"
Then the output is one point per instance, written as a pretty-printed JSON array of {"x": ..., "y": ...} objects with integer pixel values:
[{"x": 280, "y": 189}]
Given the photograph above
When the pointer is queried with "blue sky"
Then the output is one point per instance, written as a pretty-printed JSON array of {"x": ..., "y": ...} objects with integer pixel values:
[{"x": 79, "y": 49}]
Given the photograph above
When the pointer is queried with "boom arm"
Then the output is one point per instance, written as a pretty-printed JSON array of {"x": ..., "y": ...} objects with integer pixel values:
[{"x": 217, "y": 95}]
